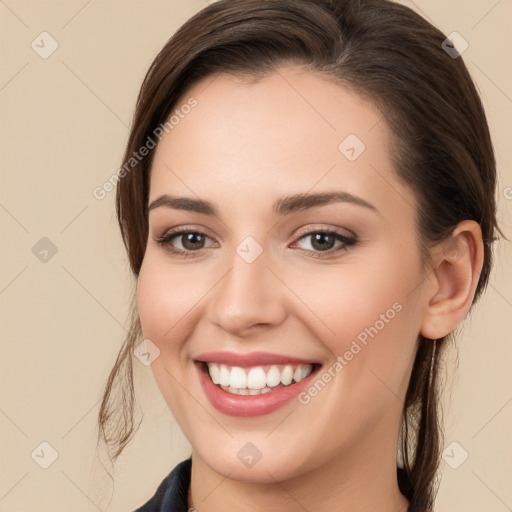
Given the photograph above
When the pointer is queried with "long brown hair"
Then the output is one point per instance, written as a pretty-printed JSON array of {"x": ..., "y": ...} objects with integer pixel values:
[{"x": 442, "y": 150}]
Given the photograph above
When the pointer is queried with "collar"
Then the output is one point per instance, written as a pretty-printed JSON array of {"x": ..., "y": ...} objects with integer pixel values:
[{"x": 171, "y": 495}]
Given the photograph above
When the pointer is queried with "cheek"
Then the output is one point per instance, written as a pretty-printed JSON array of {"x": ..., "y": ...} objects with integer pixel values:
[
  {"x": 165, "y": 300},
  {"x": 165, "y": 306},
  {"x": 357, "y": 300},
  {"x": 373, "y": 317},
  {"x": 153, "y": 306}
]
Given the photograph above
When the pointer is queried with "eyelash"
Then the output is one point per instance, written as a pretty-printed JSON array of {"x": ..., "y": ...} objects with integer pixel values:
[{"x": 346, "y": 242}]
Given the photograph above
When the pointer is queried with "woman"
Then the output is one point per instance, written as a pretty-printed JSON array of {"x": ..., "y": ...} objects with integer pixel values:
[{"x": 307, "y": 203}]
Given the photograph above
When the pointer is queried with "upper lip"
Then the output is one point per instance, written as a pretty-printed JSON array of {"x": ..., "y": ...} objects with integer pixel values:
[{"x": 250, "y": 359}]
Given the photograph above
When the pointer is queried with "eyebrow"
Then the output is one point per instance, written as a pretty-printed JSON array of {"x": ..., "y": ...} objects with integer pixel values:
[{"x": 283, "y": 206}]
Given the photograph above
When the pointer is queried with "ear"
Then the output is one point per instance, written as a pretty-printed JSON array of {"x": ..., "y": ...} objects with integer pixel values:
[{"x": 457, "y": 264}]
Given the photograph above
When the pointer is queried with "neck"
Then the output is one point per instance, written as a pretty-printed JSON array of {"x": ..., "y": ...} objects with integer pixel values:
[{"x": 359, "y": 482}]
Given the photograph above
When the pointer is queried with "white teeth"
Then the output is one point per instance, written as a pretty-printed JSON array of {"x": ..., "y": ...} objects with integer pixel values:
[
  {"x": 273, "y": 377},
  {"x": 301, "y": 373},
  {"x": 215, "y": 373},
  {"x": 255, "y": 381},
  {"x": 247, "y": 391},
  {"x": 287, "y": 375},
  {"x": 238, "y": 378},
  {"x": 256, "y": 378},
  {"x": 224, "y": 375}
]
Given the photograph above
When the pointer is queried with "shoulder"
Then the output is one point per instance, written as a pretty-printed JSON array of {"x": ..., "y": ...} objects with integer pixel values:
[{"x": 171, "y": 495}]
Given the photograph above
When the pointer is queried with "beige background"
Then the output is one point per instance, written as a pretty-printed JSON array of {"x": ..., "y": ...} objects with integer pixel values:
[{"x": 64, "y": 123}]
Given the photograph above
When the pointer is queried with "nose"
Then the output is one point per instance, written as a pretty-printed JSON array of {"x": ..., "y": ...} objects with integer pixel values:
[{"x": 249, "y": 298}]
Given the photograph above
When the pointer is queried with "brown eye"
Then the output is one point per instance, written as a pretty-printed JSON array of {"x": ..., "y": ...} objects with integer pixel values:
[
  {"x": 323, "y": 242},
  {"x": 191, "y": 241},
  {"x": 183, "y": 242}
]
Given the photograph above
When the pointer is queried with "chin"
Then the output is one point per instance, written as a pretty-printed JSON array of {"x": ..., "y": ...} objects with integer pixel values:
[{"x": 245, "y": 463}]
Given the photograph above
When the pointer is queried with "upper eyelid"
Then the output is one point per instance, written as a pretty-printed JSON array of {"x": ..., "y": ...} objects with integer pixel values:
[
  {"x": 302, "y": 233},
  {"x": 335, "y": 230},
  {"x": 299, "y": 232},
  {"x": 186, "y": 229}
]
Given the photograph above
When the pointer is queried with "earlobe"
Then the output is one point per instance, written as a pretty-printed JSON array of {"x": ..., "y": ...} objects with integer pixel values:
[{"x": 457, "y": 264}]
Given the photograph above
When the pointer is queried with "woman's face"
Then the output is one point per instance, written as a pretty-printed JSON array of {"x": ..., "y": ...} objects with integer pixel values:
[{"x": 271, "y": 280}]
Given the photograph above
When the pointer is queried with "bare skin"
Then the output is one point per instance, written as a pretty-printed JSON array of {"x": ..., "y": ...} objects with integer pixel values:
[{"x": 242, "y": 148}]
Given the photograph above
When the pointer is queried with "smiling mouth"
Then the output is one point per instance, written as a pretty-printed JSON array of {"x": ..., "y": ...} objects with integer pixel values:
[{"x": 256, "y": 380}]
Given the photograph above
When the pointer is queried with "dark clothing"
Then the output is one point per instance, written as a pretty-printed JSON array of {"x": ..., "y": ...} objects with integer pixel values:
[{"x": 171, "y": 495}]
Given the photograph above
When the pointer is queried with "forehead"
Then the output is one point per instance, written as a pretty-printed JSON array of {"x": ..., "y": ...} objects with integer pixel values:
[{"x": 290, "y": 132}]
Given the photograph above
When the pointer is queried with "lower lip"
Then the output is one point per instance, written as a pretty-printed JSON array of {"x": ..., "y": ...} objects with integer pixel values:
[{"x": 250, "y": 405}]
